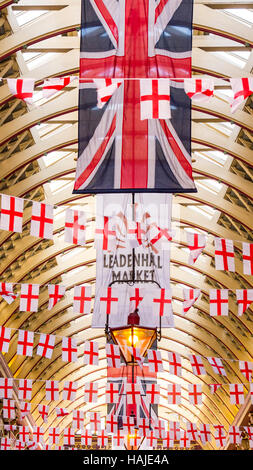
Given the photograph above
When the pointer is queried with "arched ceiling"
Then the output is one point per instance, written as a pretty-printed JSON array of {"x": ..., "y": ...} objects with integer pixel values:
[{"x": 38, "y": 149}]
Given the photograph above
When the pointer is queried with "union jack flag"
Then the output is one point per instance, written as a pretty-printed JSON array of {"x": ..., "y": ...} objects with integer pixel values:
[
  {"x": 119, "y": 152},
  {"x": 136, "y": 38}
]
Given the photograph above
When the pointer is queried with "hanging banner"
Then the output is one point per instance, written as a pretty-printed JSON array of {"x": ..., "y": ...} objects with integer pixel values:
[
  {"x": 127, "y": 260},
  {"x": 120, "y": 151},
  {"x": 130, "y": 38}
]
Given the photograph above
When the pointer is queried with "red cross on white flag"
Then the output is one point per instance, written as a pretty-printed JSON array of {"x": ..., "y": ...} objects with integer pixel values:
[
  {"x": 25, "y": 389},
  {"x": 9, "y": 409},
  {"x": 219, "y": 435},
  {"x": 217, "y": 365},
  {"x": 197, "y": 365},
  {"x": 133, "y": 394},
  {"x": 109, "y": 298},
  {"x": 43, "y": 411},
  {"x": 24, "y": 433},
  {"x": 55, "y": 84},
  {"x": 174, "y": 394},
  {"x": 143, "y": 426},
  {"x": 118, "y": 439},
  {"x": 134, "y": 440},
  {"x": 78, "y": 419},
  {"x": 91, "y": 392},
  {"x": 136, "y": 353},
  {"x": 151, "y": 440},
  {"x": 218, "y": 300},
  {"x": 249, "y": 431},
  {"x": 61, "y": 412},
  {"x": 214, "y": 388},
  {"x": 161, "y": 302},
  {"x": 29, "y": 298},
  {"x": 105, "y": 89},
  {"x": 190, "y": 297},
  {"x": 128, "y": 423},
  {"x": 155, "y": 98},
  {"x": 6, "y": 387},
  {"x": 42, "y": 220},
  {"x": 112, "y": 393},
  {"x": 46, "y": 345},
  {"x": 11, "y": 213},
  {"x": 6, "y": 443},
  {"x": 102, "y": 439},
  {"x": 38, "y": 433},
  {"x": 192, "y": 431},
  {"x": 159, "y": 237},
  {"x": 54, "y": 435},
  {"x": 25, "y": 343},
  {"x": 105, "y": 236},
  {"x": 69, "y": 349},
  {"x": 82, "y": 299},
  {"x": 86, "y": 438},
  {"x": 111, "y": 424},
  {"x": 22, "y": 88},
  {"x": 168, "y": 441},
  {"x": 75, "y": 227},
  {"x": 25, "y": 409},
  {"x": 196, "y": 243},
  {"x": 19, "y": 445},
  {"x": 204, "y": 433},
  {"x": 224, "y": 255},
  {"x": 69, "y": 390},
  {"x": 155, "y": 362},
  {"x": 236, "y": 394},
  {"x": 56, "y": 292},
  {"x": 184, "y": 441},
  {"x": 5, "y": 336},
  {"x": 153, "y": 393},
  {"x": 136, "y": 296},
  {"x": 91, "y": 354},
  {"x": 52, "y": 390},
  {"x": 69, "y": 437},
  {"x": 136, "y": 234},
  {"x": 95, "y": 421},
  {"x": 174, "y": 427},
  {"x": 113, "y": 355},
  {"x": 6, "y": 291},
  {"x": 159, "y": 429},
  {"x": 234, "y": 434},
  {"x": 244, "y": 299},
  {"x": 195, "y": 394},
  {"x": 175, "y": 364},
  {"x": 246, "y": 369},
  {"x": 242, "y": 89},
  {"x": 247, "y": 256},
  {"x": 199, "y": 90}
]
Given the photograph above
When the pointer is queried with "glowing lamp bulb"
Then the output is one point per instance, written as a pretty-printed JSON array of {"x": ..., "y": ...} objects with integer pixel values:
[{"x": 133, "y": 339}]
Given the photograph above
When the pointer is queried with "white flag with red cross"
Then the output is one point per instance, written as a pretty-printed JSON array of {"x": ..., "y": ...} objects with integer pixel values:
[
  {"x": 22, "y": 88},
  {"x": 12, "y": 209},
  {"x": 53, "y": 85},
  {"x": 159, "y": 237},
  {"x": 69, "y": 349},
  {"x": 91, "y": 353},
  {"x": 43, "y": 411},
  {"x": 214, "y": 388},
  {"x": 78, "y": 419},
  {"x": 105, "y": 89},
  {"x": 91, "y": 392},
  {"x": 174, "y": 394},
  {"x": 46, "y": 345},
  {"x": 6, "y": 443},
  {"x": 111, "y": 424},
  {"x": 224, "y": 255},
  {"x": 244, "y": 299},
  {"x": 153, "y": 393},
  {"x": 242, "y": 89},
  {"x": 196, "y": 243},
  {"x": 234, "y": 435},
  {"x": 218, "y": 302},
  {"x": 24, "y": 433},
  {"x": 128, "y": 423},
  {"x": 236, "y": 394},
  {"x": 56, "y": 293},
  {"x": 102, "y": 438},
  {"x": 38, "y": 433},
  {"x": 155, "y": 98},
  {"x": 136, "y": 353},
  {"x": 199, "y": 90},
  {"x": 75, "y": 227},
  {"x": 52, "y": 390},
  {"x": 247, "y": 256},
  {"x": 112, "y": 393},
  {"x": 217, "y": 365},
  {"x": 118, "y": 440},
  {"x": 25, "y": 389},
  {"x": 143, "y": 426},
  {"x": 29, "y": 298},
  {"x": 69, "y": 390},
  {"x": 136, "y": 296},
  {"x": 192, "y": 431},
  {"x": 133, "y": 394},
  {"x": 6, "y": 387},
  {"x": 155, "y": 362},
  {"x": 105, "y": 234},
  {"x": 95, "y": 421},
  {"x": 204, "y": 433},
  {"x": 175, "y": 363},
  {"x": 190, "y": 297},
  {"x": 25, "y": 343},
  {"x": 113, "y": 355},
  {"x": 54, "y": 435},
  {"x": 6, "y": 291},
  {"x": 8, "y": 409},
  {"x": 246, "y": 368},
  {"x": 151, "y": 440},
  {"x": 184, "y": 441},
  {"x": 86, "y": 438},
  {"x": 219, "y": 435},
  {"x": 69, "y": 437},
  {"x": 25, "y": 409},
  {"x": 195, "y": 394},
  {"x": 5, "y": 337},
  {"x": 197, "y": 365},
  {"x": 161, "y": 302},
  {"x": 174, "y": 427},
  {"x": 42, "y": 220},
  {"x": 61, "y": 412},
  {"x": 82, "y": 299}
]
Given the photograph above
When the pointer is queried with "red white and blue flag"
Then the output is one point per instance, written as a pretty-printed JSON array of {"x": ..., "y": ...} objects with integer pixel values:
[{"x": 137, "y": 39}]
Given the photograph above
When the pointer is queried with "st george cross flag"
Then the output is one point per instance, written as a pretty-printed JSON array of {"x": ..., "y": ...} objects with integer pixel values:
[
  {"x": 46, "y": 345},
  {"x": 247, "y": 256},
  {"x": 6, "y": 387},
  {"x": 242, "y": 89},
  {"x": 155, "y": 362},
  {"x": 91, "y": 392},
  {"x": 224, "y": 254},
  {"x": 42, "y": 220},
  {"x": 75, "y": 227},
  {"x": 43, "y": 411},
  {"x": 22, "y": 88},
  {"x": 105, "y": 89},
  {"x": 204, "y": 433},
  {"x": 175, "y": 364},
  {"x": 29, "y": 298},
  {"x": 5, "y": 337},
  {"x": 174, "y": 394},
  {"x": 56, "y": 292},
  {"x": 82, "y": 299},
  {"x": 78, "y": 419},
  {"x": 25, "y": 389},
  {"x": 69, "y": 390},
  {"x": 236, "y": 394},
  {"x": 6, "y": 292},
  {"x": 133, "y": 39},
  {"x": 218, "y": 300},
  {"x": 197, "y": 365},
  {"x": 69, "y": 349},
  {"x": 11, "y": 213},
  {"x": 195, "y": 394},
  {"x": 155, "y": 98},
  {"x": 234, "y": 435},
  {"x": 25, "y": 343},
  {"x": 217, "y": 365},
  {"x": 120, "y": 152},
  {"x": 192, "y": 431},
  {"x": 244, "y": 299},
  {"x": 8, "y": 409},
  {"x": 52, "y": 390},
  {"x": 196, "y": 243},
  {"x": 214, "y": 388},
  {"x": 91, "y": 354},
  {"x": 190, "y": 297},
  {"x": 113, "y": 355},
  {"x": 161, "y": 302},
  {"x": 246, "y": 369},
  {"x": 55, "y": 84},
  {"x": 199, "y": 89},
  {"x": 60, "y": 412}
]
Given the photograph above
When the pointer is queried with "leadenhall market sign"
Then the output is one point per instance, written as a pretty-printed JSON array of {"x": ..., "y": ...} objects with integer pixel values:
[{"x": 121, "y": 266}]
